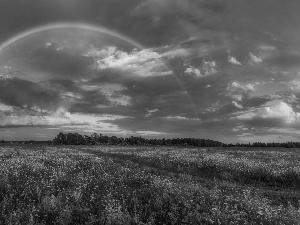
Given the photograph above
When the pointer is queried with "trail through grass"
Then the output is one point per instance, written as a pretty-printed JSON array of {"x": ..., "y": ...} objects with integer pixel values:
[{"x": 122, "y": 185}]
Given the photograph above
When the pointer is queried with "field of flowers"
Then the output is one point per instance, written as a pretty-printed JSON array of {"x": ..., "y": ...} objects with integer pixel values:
[
  {"x": 274, "y": 168},
  {"x": 144, "y": 185}
]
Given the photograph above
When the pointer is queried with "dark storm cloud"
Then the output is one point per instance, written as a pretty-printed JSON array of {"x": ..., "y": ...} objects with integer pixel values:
[
  {"x": 163, "y": 92},
  {"x": 17, "y": 92},
  {"x": 64, "y": 85},
  {"x": 112, "y": 76},
  {"x": 255, "y": 102},
  {"x": 83, "y": 101},
  {"x": 87, "y": 107},
  {"x": 94, "y": 97}
]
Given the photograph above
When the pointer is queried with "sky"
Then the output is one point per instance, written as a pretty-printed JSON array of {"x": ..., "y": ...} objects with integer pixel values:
[{"x": 215, "y": 69}]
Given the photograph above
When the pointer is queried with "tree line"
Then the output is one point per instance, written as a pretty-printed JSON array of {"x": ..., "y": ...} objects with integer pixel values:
[
  {"x": 95, "y": 139},
  {"x": 266, "y": 145}
]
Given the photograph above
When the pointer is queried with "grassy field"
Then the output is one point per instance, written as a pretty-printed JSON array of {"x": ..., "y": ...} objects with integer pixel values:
[{"x": 148, "y": 185}]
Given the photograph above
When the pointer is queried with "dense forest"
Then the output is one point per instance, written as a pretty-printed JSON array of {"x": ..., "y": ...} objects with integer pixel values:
[{"x": 95, "y": 139}]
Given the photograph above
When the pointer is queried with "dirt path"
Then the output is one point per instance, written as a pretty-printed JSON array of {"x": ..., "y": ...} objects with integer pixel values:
[{"x": 281, "y": 196}]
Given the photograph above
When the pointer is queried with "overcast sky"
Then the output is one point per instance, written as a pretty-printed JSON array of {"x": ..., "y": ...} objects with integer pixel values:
[{"x": 223, "y": 70}]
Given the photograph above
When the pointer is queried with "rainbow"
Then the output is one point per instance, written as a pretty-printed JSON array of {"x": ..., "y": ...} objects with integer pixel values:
[
  {"x": 53, "y": 26},
  {"x": 83, "y": 26}
]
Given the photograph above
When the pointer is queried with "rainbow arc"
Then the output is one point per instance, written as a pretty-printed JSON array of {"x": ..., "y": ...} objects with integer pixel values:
[{"x": 83, "y": 26}]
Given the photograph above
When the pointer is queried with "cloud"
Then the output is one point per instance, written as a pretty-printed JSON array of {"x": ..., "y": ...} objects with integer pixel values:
[
  {"x": 256, "y": 101},
  {"x": 150, "y": 133},
  {"x": 176, "y": 51},
  {"x": 48, "y": 45},
  {"x": 233, "y": 60},
  {"x": 193, "y": 71},
  {"x": 279, "y": 114},
  {"x": 239, "y": 128},
  {"x": 88, "y": 96},
  {"x": 96, "y": 123},
  {"x": 244, "y": 134},
  {"x": 23, "y": 93},
  {"x": 150, "y": 112},
  {"x": 209, "y": 67},
  {"x": 254, "y": 59},
  {"x": 58, "y": 118},
  {"x": 197, "y": 33},
  {"x": 267, "y": 48},
  {"x": 62, "y": 85},
  {"x": 284, "y": 131},
  {"x": 294, "y": 84},
  {"x": 179, "y": 118},
  {"x": 280, "y": 110},
  {"x": 234, "y": 103},
  {"x": 140, "y": 63},
  {"x": 4, "y": 107},
  {"x": 237, "y": 97},
  {"x": 112, "y": 92},
  {"x": 237, "y": 86}
]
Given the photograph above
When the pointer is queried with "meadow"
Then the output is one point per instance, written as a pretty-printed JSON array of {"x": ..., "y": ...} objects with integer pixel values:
[{"x": 148, "y": 185}]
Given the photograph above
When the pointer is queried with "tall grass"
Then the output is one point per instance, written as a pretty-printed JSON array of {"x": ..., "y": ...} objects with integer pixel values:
[
  {"x": 268, "y": 168},
  {"x": 58, "y": 185}
]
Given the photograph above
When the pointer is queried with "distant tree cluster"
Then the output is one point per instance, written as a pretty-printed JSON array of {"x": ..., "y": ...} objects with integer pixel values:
[
  {"x": 30, "y": 142},
  {"x": 266, "y": 145},
  {"x": 95, "y": 139}
]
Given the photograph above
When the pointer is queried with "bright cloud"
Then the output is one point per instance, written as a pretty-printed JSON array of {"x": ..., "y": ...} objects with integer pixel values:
[
  {"x": 179, "y": 118},
  {"x": 150, "y": 112},
  {"x": 176, "y": 52},
  {"x": 294, "y": 84},
  {"x": 5, "y": 107},
  {"x": 146, "y": 133},
  {"x": 143, "y": 63},
  {"x": 111, "y": 92},
  {"x": 98, "y": 123},
  {"x": 284, "y": 131},
  {"x": 237, "y": 97},
  {"x": 254, "y": 59},
  {"x": 239, "y": 128},
  {"x": 244, "y": 134},
  {"x": 234, "y": 103},
  {"x": 279, "y": 110},
  {"x": 193, "y": 71},
  {"x": 59, "y": 118},
  {"x": 71, "y": 95},
  {"x": 48, "y": 44},
  {"x": 246, "y": 87},
  {"x": 233, "y": 60},
  {"x": 209, "y": 67}
]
